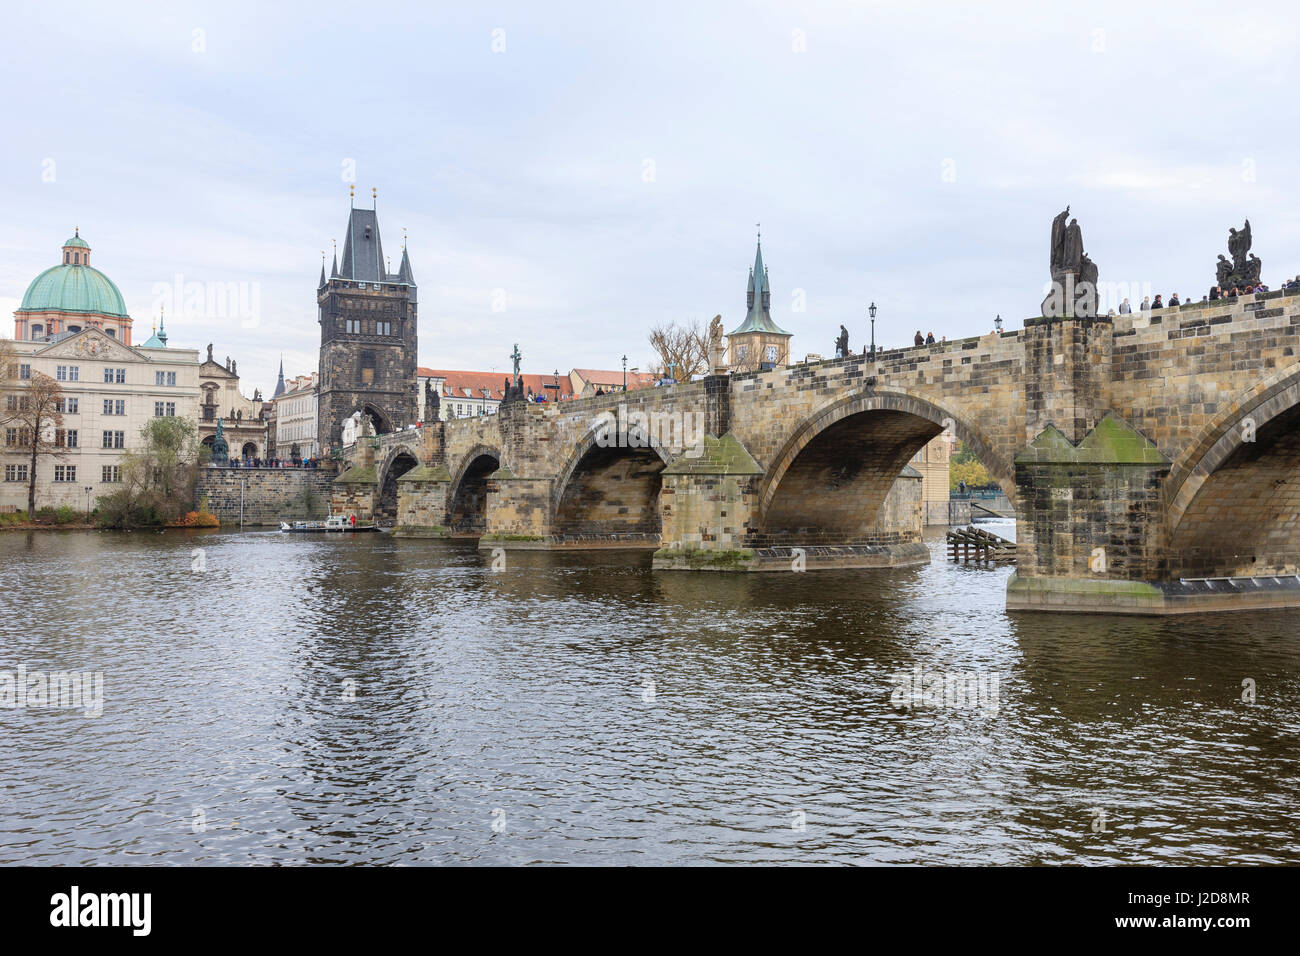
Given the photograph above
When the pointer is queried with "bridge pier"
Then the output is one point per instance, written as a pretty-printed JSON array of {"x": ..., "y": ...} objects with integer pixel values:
[
  {"x": 1089, "y": 532},
  {"x": 710, "y": 509},
  {"x": 422, "y": 502}
]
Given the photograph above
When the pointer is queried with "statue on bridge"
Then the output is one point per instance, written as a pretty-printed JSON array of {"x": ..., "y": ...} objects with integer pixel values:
[
  {"x": 1244, "y": 270},
  {"x": 515, "y": 388},
  {"x": 432, "y": 402},
  {"x": 842, "y": 343},
  {"x": 717, "y": 363},
  {"x": 1073, "y": 290}
]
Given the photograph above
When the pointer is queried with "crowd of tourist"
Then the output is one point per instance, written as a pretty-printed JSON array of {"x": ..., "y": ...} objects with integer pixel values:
[
  {"x": 1217, "y": 293},
  {"x": 273, "y": 463}
]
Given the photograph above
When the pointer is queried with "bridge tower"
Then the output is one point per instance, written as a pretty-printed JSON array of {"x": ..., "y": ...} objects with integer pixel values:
[{"x": 367, "y": 335}]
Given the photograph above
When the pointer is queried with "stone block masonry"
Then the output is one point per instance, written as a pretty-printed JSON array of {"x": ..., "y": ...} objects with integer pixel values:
[
  {"x": 270, "y": 495},
  {"x": 1150, "y": 457}
]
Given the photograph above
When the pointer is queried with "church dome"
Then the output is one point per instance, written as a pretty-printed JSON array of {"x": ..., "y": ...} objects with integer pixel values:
[{"x": 74, "y": 286}]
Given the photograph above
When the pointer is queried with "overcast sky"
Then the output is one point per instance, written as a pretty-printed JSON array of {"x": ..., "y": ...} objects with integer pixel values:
[{"x": 598, "y": 168}]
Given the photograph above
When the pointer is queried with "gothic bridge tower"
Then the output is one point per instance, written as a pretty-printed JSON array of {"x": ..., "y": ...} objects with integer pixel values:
[{"x": 367, "y": 335}]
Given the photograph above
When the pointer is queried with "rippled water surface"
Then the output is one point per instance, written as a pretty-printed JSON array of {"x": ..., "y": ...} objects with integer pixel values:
[{"x": 601, "y": 712}]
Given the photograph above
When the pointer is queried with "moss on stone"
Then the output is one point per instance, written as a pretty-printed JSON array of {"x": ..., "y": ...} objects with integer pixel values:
[
  {"x": 1112, "y": 442},
  {"x": 427, "y": 473},
  {"x": 703, "y": 559},
  {"x": 718, "y": 456},
  {"x": 357, "y": 475}
]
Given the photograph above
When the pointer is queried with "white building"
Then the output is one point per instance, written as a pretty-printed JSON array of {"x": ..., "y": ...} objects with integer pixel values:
[
  {"x": 110, "y": 391},
  {"x": 295, "y": 417},
  {"x": 73, "y": 326}
]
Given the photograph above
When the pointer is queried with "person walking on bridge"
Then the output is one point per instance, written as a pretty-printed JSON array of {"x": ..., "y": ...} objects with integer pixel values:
[{"x": 920, "y": 339}]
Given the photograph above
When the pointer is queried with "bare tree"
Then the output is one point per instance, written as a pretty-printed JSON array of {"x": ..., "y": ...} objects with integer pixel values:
[
  {"x": 681, "y": 350},
  {"x": 38, "y": 420}
]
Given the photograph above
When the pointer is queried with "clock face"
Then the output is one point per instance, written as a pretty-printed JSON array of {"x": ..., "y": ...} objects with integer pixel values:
[
  {"x": 771, "y": 353},
  {"x": 742, "y": 352}
]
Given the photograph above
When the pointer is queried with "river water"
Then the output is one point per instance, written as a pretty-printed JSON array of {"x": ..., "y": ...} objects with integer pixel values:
[{"x": 289, "y": 699}]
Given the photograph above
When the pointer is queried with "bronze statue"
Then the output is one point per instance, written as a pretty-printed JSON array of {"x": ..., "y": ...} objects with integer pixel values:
[
  {"x": 1245, "y": 268},
  {"x": 842, "y": 343},
  {"x": 1074, "y": 276}
]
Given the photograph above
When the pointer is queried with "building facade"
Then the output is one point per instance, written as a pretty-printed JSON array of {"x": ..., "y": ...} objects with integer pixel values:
[
  {"x": 295, "y": 418},
  {"x": 110, "y": 391},
  {"x": 243, "y": 420},
  {"x": 585, "y": 382},
  {"x": 461, "y": 394},
  {"x": 932, "y": 461},
  {"x": 368, "y": 336},
  {"x": 73, "y": 326}
]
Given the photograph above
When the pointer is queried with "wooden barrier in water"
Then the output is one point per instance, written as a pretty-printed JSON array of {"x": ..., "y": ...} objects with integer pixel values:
[{"x": 974, "y": 546}]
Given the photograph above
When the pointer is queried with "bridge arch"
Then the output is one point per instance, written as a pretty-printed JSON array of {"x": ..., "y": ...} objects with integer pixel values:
[
  {"x": 610, "y": 484},
  {"x": 380, "y": 420},
  {"x": 1241, "y": 473},
  {"x": 398, "y": 461},
  {"x": 898, "y": 402},
  {"x": 467, "y": 494}
]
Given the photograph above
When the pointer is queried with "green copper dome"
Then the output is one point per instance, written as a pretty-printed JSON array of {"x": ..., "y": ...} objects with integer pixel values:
[
  {"x": 72, "y": 288},
  {"x": 77, "y": 241}
]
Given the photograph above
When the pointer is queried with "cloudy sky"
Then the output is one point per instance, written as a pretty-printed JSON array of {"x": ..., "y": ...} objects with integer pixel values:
[{"x": 571, "y": 174}]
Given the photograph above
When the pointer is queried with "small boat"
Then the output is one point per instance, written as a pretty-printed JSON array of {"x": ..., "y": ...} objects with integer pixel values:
[{"x": 333, "y": 523}]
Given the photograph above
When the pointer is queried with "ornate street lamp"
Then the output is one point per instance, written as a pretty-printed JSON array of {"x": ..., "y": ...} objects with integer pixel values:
[
  {"x": 872, "y": 310},
  {"x": 625, "y": 373},
  {"x": 997, "y": 323},
  {"x": 88, "y": 491}
]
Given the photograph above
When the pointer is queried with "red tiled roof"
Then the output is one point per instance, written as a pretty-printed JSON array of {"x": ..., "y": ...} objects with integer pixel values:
[
  {"x": 602, "y": 378},
  {"x": 457, "y": 381}
]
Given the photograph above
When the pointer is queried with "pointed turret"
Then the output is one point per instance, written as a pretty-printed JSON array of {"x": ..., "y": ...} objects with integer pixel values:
[
  {"x": 279, "y": 385},
  {"x": 404, "y": 273},
  {"x": 758, "y": 299},
  {"x": 322, "y": 273}
]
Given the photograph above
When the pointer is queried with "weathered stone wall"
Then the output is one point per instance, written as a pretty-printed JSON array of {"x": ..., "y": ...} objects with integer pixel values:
[
  {"x": 1188, "y": 488},
  {"x": 617, "y": 492},
  {"x": 360, "y": 370},
  {"x": 270, "y": 494}
]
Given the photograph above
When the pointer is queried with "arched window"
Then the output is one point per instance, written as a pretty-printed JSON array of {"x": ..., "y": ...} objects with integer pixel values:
[
  {"x": 67, "y": 257},
  {"x": 38, "y": 332}
]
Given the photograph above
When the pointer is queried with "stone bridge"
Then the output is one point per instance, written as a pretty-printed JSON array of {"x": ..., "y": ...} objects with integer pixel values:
[{"x": 1151, "y": 460}]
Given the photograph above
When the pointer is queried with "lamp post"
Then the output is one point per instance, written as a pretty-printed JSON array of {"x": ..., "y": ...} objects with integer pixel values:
[
  {"x": 872, "y": 310},
  {"x": 997, "y": 323},
  {"x": 556, "y": 386},
  {"x": 625, "y": 373},
  {"x": 88, "y": 491}
]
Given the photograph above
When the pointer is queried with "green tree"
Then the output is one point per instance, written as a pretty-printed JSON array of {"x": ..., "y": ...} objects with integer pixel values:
[
  {"x": 158, "y": 478},
  {"x": 964, "y": 466}
]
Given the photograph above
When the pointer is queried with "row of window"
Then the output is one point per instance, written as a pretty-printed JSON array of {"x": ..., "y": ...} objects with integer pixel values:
[
  {"x": 72, "y": 406},
  {"x": 63, "y": 438},
  {"x": 112, "y": 376},
  {"x": 109, "y": 474},
  {"x": 38, "y": 331},
  {"x": 366, "y": 327}
]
